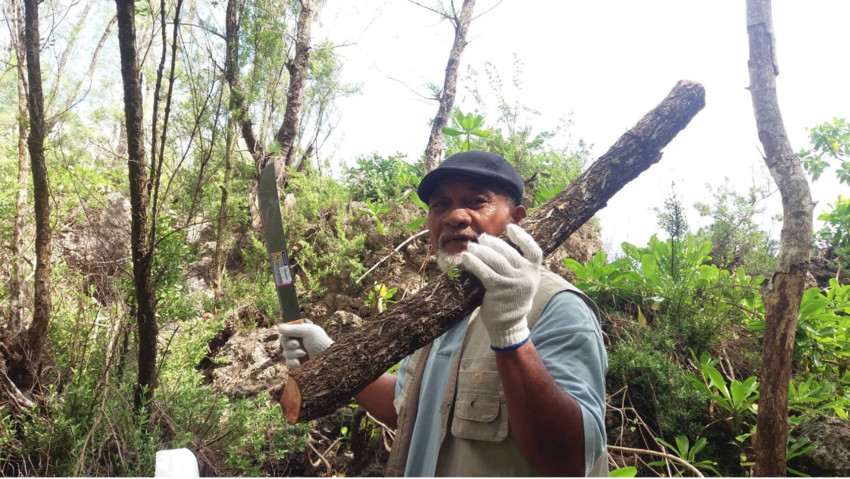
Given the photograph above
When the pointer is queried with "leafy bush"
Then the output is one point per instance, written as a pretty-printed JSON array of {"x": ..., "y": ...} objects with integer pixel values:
[
  {"x": 831, "y": 144},
  {"x": 736, "y": 237},
  {"x": 323, "y": 242},
  {"x": 379, "y": 179},
  {"x": 691, "y": 306},
  {"x": 657, "y": 386}
]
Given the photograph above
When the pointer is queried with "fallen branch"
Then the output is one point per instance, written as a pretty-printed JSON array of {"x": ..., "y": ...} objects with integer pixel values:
[
  {"x": 329, "y": 381},
  {"x": 397, "y": 248},
  {"x": 650, "y": 452}
]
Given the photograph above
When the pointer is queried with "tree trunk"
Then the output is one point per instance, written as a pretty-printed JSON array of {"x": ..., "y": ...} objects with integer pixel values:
[
  {"x": 231, "y": 64},
  {"x": 434, "y": 149},
  {"x": 298, "y": 68},
  {"x": 782, "y": 301},
  {"x": 140, "y": 243},
  {"x": 19, "y": 263},
  {"x": 220, "y": 250},
  {"x": 37, "y": 332},
  {"x": 330, "y": 380}
]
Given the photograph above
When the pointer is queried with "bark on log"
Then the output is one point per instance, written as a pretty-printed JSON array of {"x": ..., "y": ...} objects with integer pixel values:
[{"x": 329, "y": 381}]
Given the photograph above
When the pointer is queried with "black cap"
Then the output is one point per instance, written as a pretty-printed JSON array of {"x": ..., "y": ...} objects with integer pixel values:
[{"x": 482, "y": 165}]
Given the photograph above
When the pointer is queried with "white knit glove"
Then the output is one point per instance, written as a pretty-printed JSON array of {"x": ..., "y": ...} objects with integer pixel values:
[
  {"x": 302, "y": 341},
  {"x": 510, "y": 281}
]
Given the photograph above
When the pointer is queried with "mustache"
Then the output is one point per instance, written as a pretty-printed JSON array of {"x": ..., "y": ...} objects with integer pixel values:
[{"x": 446, "y": 236}]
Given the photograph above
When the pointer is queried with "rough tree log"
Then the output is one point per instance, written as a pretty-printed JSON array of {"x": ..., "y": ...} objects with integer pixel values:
[{"x": 329, "y": 381}]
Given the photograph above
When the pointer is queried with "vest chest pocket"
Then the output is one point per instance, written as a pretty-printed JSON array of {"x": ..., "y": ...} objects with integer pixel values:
[{"x": 480, "y": 413}]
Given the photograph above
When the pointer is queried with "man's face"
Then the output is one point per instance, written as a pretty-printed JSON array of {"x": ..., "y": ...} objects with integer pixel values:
[{"x": 460, "y": 210}]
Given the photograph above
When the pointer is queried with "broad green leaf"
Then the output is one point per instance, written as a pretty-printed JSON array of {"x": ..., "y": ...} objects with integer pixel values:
[
  {"x": 628, "y": 471},
  {"x": 468, "y": 122},
  {"x": 698, "y": 445},
  {"x": 683, "y": 444},
  {"x": 741, "y": 391},
  {"x": 451, "y": 131},
  {"x": 648, "y": 266},
  {"x": 482, "y": 133},
  {"x": 459, "y": 118},
  {"x": 715, "y": 378},
  {"x": 418, "y": 202},
  {"x": 415, "y": 224}
]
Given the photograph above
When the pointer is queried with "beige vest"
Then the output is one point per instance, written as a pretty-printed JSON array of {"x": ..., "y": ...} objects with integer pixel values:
[{"x": 480, "y": 442}]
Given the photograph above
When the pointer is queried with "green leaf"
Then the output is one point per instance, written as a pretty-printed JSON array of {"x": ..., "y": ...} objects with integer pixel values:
[
  {"x": 482, "y": 133},
  {"x": 741, "y": 391},
  {"x": 628, "y": 471},
  {"x": 698, "y": 446},
  {"x": 415, "y": 224},
  {"x": 715, "y": 378},
  {"x": 684, "y": 445},
  {"x": 648, "y": 266},
  {"x": 459, "y": 118},
  {"x": 451, "y": 131},
  {"x": 468, "y": 122}
]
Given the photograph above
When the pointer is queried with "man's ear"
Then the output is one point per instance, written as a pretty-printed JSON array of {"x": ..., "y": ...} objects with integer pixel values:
[{"x": 518, "y": 213}]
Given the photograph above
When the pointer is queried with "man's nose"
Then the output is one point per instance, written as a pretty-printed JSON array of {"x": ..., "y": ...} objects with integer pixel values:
[{"x": 458, "y": 217}]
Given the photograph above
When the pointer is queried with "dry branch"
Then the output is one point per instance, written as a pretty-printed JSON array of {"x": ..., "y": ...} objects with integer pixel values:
[{"x": 330, "y": 380}]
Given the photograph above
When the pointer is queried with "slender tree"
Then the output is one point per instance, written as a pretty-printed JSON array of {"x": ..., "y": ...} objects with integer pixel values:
[
  {"x": 782, "y": 301},
  {"x": 15, "y": 20},
  {"x": 298, "y": 67},
  {"x": 141, "y": 245},
  {"x": 37, "y": 332},
  {"x": 460, "y": 22}
]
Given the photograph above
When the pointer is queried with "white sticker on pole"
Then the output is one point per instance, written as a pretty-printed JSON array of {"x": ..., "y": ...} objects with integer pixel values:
[{"x": 280, "y": 268}]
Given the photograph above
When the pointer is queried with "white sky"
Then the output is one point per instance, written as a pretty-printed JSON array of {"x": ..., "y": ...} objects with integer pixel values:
[{"x": 608, "y": 63}]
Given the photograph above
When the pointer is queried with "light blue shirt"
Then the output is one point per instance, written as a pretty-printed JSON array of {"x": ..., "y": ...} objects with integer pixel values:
[{"x": 569, "y": 341}]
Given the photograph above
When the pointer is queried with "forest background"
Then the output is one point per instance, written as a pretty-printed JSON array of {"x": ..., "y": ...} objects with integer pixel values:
[{"x": 125, "y": 364}]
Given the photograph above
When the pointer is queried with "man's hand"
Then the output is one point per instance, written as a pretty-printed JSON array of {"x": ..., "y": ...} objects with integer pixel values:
[
  {"x": 510, "y": 281},
  {"x": 302, "y": 340}
]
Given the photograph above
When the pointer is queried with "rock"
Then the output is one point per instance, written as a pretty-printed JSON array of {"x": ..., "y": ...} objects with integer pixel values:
[
  {"x": 249, "y": 364},
  {"x": 342, "y": 323},
  {"x": 96, "y": 242},
  {"x": 201, "y": 232},
  {"x": 831, "y": 456},
  {"x": 580, "y": 246}
]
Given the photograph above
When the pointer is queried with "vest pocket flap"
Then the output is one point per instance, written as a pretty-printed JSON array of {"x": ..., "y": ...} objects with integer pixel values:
[
  {"x": 477, "y": 407},
  {"x": 480, "y": 417}
]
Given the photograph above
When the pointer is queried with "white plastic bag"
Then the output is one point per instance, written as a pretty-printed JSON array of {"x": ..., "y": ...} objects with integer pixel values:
[{"x": 176, "y": 463}]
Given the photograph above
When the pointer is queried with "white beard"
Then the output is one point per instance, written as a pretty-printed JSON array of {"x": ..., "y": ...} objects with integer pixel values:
[{"x": 444, "y": 260}]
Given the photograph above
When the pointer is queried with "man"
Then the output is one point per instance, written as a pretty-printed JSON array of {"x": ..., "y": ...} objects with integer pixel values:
[{"x": 517, "y": 387}]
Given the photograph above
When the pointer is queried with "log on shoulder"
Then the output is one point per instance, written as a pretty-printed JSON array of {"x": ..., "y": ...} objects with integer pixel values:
[{"x": 330, "y": 381}]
